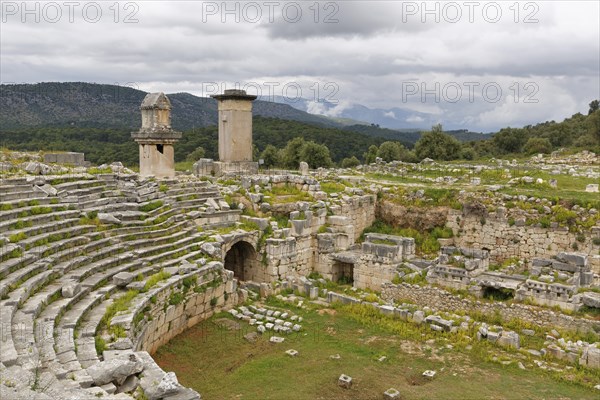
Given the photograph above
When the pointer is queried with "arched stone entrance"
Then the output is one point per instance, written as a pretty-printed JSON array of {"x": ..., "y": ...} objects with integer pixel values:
[{"x": 242, "y": 259}]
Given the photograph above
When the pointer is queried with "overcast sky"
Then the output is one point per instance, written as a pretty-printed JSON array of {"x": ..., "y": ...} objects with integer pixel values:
[{"x": 446, "y": 58}]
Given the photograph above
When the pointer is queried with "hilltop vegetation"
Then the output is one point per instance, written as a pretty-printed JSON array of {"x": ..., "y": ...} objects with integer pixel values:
[
  {"x": 107, "y": 145},
  {"x": 89, "y": 105},
  {"x": 579, "y": 131},
  {"x": 98, "y": 119}
]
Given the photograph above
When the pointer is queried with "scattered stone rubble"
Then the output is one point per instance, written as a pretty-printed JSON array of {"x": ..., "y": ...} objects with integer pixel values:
[
  {"x": 72, "y": 242},
  {"x": 268, "y": 319}
]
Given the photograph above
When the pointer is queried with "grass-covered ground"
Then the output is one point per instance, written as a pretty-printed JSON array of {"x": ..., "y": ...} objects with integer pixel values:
[{"x": 220, "y": 364}]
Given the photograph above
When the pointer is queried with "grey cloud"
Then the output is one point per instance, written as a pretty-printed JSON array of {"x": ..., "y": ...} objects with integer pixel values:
[
  {"x": 368, "y": 54},
  {"x": 341, "y": 19}
]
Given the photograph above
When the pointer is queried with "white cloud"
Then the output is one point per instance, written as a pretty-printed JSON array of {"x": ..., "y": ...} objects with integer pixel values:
[
  {"x": 368, "y": 55},
  {"x": 415, "y": 119}
]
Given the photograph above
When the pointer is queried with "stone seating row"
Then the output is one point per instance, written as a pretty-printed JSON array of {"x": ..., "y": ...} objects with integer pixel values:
[{"x": 56, "y": 292}]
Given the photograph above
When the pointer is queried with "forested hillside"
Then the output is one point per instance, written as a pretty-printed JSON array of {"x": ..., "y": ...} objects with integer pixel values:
[
  {"x": 98, "y": 120},
  {"x": 107, "y": 145}
]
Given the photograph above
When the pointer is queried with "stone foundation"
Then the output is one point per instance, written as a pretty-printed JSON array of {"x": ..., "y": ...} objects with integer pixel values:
[{"x": 443, "y": 300}]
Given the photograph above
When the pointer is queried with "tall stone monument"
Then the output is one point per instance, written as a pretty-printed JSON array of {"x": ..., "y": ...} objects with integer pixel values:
[
  {"x": 235, "y": 136},
  {"x": 156, "y": 137}
]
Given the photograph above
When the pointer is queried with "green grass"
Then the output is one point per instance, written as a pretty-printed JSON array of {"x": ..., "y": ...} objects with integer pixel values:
[
  {"x": 100, "y": 344},
  {"x": 571, "y": 189},
  {"x": 287, "y": 194},
  {"x": 120, "y": 304},
  {"x": 17, "y": 237},
  {"x": 220, "y": 364},
  {"x": 184, "y": 166},
  {"x": 154, "y": 279},
  {"x": 96, "y": 170},
  {"x": 332, "y": 187},
  {"x": 394, "y": 179},
  {"x": 151, "y": 206}
]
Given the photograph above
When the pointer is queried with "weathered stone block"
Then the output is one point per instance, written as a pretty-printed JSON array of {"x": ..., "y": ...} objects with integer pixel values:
[
  {"x": 345, "y": 381},
  {"x": 123, "y": 278}
]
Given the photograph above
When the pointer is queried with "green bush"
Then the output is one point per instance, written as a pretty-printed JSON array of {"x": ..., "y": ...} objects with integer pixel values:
[
  {"x": 17, "y": 237},
  {"x": 151, "y": 206},
  {"x": 176, "y": 298},
  {"x": 92, "y": 215},
  {"x": 40, "y": 210},
  {"x": 154, "y": 279},
  {"x": 536, "y": 145},
  {"x": 100, "y": 344},
  {"x": 350, "y": 162}
]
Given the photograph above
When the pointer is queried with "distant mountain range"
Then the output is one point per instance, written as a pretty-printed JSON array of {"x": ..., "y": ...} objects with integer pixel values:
[
  {"x": 102, "y": 106},
  {"x": 350, "y": 114},
  {"x": 79, "y": 104}
]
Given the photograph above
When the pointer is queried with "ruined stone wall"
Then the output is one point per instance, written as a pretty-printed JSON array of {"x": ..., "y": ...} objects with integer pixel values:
[
  {"x": 360, "y": 209},
  {"x": 372, "y": 272},
  {"x": 524, "y": 242},
  {"x": 443, "y": 300},
  {"x": 289, "y": 257},
  {"x": 214, "y": 291},
  {"x": 495, "y": 234}
]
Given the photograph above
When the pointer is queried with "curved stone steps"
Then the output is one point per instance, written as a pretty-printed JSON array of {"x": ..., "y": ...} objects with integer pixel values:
[
  {"x": 165, "y": 207},
  {"x": 81, "y": 193},
  {"x": 7, "y": 346},
  {"x": 183, "y": 190},
  {"x": 142, "y": 222},
  {"x": 165, "y": 211},
  {"x": 90, "y": 326},
  {"x": 75, "y": 256},
  {"x": 71, "y": 230},
  {"x": 14, "y": 264},
  {"x": 10, "y": 196},
  {"x": 58, "y": 333},
  {"x": 65, "y": 344},
  {"x": 86, "y": 332},
  {"x": 24, "y": 340},
  {"x": 28, "y": 275},
  {"x": 37, "y": 220},
  {"x": 32, "y": 307},
  {"x": 191, "y": 256},
  {"x": 16, "y": 187},
  {"x": 156, "y": 253},
  {"x": 159, "y": 240},
  {"x": 99, "y": 279},
  {"x": 193, "y": 204},
  {"x": 109, "y": 204},
  {"x": 26, "y": 211},
  {"x": 16, "y": 276},
  {"x": 83, "y": 184},
  {"x": 132, "y": 234},
  {"x": 46, "y": 332},
  {"x": 104, "y": 263},
  {"x": 32, "y": 285},
  {"x": 93, "y": 269},
  {"x": 51, "y": 226},
  {"x": 65, "y": 328},
  {"x": 58, "y": 251},
  {"x": 21, "y": 276},
  {"x": 21, "y": 203}
]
